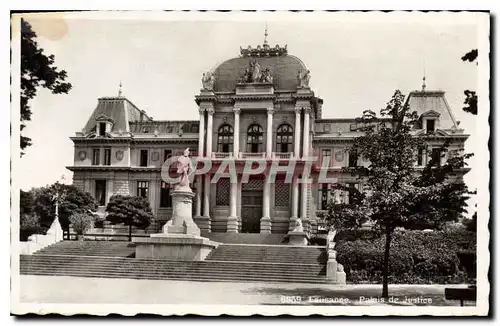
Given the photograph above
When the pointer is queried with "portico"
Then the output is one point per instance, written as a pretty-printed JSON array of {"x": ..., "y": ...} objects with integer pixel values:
[{"x": 253, "y": 125}]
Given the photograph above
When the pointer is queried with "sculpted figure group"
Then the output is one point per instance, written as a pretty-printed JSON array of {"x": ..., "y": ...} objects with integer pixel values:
[
  {"x": 208, "y": 81},
  {"x": 254, "y": 74}
]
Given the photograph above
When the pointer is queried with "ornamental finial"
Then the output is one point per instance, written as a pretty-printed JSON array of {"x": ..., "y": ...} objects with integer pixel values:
[
  {"x": 120, "y": 89},
  {"x": 265, "y": 35}
]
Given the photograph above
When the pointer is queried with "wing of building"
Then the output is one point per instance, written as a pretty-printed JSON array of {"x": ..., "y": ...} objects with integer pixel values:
[{"x": 256, "y": 105}]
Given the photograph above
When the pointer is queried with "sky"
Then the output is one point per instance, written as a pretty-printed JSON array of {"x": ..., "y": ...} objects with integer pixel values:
[{"x": 357, "y": 61}]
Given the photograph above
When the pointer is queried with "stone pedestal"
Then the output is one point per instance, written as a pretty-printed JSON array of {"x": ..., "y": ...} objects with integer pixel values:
[
  {"x": 184, "y": 247},
  {"x": 297, "y": 238},
  {"x": 203, "y": 223},
  {"x": 181, "y": 238},
  {"x": 335, "y": 272},
  {"x": 232, "y": 224},
  {"x": 265, "y": 225},
  {"x": 182, "y": 218},
  {"x": 56, "y": 230}
]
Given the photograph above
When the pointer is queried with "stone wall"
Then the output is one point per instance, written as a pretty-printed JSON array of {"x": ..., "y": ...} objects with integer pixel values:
[{"x": 121, "y": 187}]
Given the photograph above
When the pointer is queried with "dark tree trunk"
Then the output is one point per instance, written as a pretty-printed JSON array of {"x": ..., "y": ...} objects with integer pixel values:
[
  {"x": 385, "y": 280},
  {"x": 130, "y": 232}
]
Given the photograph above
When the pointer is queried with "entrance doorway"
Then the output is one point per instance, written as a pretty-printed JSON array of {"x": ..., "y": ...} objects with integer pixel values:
[{"x": 251, "y": 210}]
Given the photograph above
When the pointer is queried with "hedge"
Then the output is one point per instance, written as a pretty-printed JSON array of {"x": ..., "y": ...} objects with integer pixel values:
[{"x": 417, "y": 257}]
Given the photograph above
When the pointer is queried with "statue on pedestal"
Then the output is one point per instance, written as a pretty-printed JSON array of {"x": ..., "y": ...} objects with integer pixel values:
[
  {"x": 298, "y": 226},
  {"x": 208, "y": 81},
  {"x": 183, "y": 169},
  {"x": 256, "y": 74},
  {"x": 266, "y": 76},
  {"x": 304, "y": 77}
]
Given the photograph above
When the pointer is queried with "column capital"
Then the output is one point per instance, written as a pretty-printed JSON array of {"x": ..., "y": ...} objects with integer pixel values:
[
  {"x": 307, "y": 109},
  {"x": 210, "y": 111},
  {"x": 298, "y": 110},
  {"x": 201, "y": 110},
  {"x": 236, "y": 110},
  {"x": 270, "y": 110}
]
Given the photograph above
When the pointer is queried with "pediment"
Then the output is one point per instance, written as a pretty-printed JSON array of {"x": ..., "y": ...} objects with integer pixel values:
[
  {"x": 431, "y": 113},
  {"x": 104, "y": 117}
]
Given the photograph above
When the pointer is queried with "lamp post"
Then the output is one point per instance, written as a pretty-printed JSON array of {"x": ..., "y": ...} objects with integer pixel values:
[{"x": 56, "y": 225}]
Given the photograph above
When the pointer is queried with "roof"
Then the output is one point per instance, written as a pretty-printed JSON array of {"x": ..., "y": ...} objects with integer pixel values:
[
  {"x": 284, "y": 69},
  {"x": 432, "y": 102},
  {"x": 119, "y": 110},
  {"x": 165, "y": 127}
]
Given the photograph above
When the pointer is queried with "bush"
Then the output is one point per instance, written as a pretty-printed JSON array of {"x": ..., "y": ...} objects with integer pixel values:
[
  {"x": 416, "y": 257},
  {"x": 81, "y": 222},
  {"x": 29, "y": 224}
]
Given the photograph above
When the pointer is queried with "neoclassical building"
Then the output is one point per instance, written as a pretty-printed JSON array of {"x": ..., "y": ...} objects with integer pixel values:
[{"x": 258, "y": 104}]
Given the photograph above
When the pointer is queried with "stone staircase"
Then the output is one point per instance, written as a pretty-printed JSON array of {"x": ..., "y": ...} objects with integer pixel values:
[
  {"x": 269, "y": 254},
  {"x": 248, "y": 238},
  {"x": 227, "y": 263},
  {"x": 90, "y": 248}
]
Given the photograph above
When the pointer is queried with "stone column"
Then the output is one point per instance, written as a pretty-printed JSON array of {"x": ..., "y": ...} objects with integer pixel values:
[
  {"x": 303, "y": 204},
  {"x": 305, "y": 145},
  {"x": 203, "y": 221},
  {"x": 210, "y": 120},
  {"x": 201, "y": 132},
  {"x": 206, "y": 197},
  {"x": 265, "y": 221},
  {"x": 269, "y": 138},
  {"x": 297, "y": 133},
  {"x": 232, "y": 220},
  {"x": 199, "y": 183},
  {"x": 236, "y": 136},
  {"x": 295, "y": 203}
]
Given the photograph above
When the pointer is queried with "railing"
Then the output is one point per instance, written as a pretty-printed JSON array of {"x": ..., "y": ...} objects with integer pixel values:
[
  {"x": 253, "y": 155},
  {"x": 283, "y": 156},
  {"x": 221, "y": 155}
]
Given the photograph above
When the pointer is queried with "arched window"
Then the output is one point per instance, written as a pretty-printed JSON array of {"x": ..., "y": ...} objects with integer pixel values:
[
  {"x": 254, "y": 139},
  {"x": 284, "y": 138},
  {"x": 225, "y": 139}
]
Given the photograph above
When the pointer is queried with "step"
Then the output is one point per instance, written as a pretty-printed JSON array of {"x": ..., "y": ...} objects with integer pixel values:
[
  {"x": 201, "y": 278},
  {"x": 77, "y": 260}
]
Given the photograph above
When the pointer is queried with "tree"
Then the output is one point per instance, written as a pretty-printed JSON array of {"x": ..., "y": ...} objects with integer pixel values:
[
  {"x": 37, "y": 70},
  {"x": 393, "y": 193},
  {"x": 26, "y": 200},
  {"x": 470, "y": 96},
  {"x": 129, "y": 210},
  {"x": 72, "y": 200},
  {"x": 81, "y": 222}
]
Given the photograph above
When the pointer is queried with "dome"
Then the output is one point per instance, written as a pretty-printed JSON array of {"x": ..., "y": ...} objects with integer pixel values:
[{"x": 284, "y": 69}]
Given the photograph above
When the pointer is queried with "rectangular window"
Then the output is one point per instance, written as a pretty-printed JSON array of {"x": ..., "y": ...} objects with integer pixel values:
[
  {"x": 167, "y": 154},
  {"x": 222, "y": 192},
  {"x": 96, "y": 159},
  {"x": 165, "y": 198},
  {"x": 100, "y": 192},
  {"x": 324, "y": 196},
  {"x": 353, "y": 159},
  {"x": 326, "y": 157},
  {"x": 420, "y": 158},
  {"x": 107, "y": 156},
  {"x": 102, "y": 128},
  {"x": 431, "y": 124},
  {"x": 142, "y": 189},
  {"x": 143, "y": 161},
  {"x": 281, "y": 193},
  {"x": 351, "y": 192},
  {"x": 436, "y": 157}
]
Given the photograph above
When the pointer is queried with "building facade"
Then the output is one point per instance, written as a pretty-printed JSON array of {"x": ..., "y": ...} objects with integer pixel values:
[{"x": 256, "y": 105}]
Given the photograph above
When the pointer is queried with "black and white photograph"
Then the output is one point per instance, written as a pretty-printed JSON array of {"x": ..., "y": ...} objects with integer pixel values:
[{"x": 240, "y": 163}]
